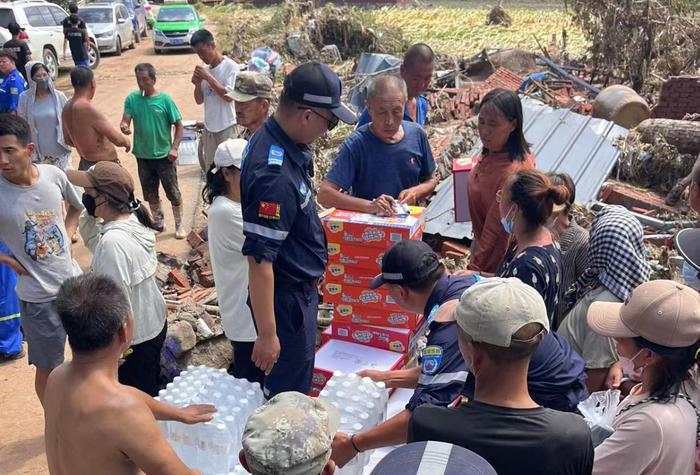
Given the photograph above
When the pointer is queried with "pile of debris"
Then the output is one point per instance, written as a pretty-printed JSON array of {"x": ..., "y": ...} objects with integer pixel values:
[{"x": 195, "y": 334}]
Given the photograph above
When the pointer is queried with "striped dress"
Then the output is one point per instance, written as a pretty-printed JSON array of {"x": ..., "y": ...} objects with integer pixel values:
[{"x": 573, "y": 243}]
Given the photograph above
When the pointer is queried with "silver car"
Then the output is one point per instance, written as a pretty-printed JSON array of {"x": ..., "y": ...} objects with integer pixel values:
[{"x": 111, "y": 24}]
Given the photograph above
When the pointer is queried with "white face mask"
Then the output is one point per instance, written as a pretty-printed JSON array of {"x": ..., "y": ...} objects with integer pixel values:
[{"x": 628, "y": 367}]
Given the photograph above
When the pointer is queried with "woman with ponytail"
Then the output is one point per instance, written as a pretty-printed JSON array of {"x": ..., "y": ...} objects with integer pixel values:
[
  {"x": 123, "y": 247},
  {"x": 657, "y": 335},
  {"x": 526, "y": 203}
]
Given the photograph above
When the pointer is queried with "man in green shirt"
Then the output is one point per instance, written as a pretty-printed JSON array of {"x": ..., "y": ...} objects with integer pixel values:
[{"x": 155, "y": 114}]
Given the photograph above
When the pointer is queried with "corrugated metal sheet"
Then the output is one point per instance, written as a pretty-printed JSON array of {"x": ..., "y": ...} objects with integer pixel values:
[{"x": 561, "y": 141}]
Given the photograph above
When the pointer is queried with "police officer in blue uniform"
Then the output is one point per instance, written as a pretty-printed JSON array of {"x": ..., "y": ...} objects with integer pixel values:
[
  {"x": 284, "y": 238},
  {"x": 12, "y": 84},
  {"x": 417, "y": 281}
]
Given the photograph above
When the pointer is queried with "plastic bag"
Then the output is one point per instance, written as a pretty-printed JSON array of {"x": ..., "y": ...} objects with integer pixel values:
[{"x": 599, "y": 410}]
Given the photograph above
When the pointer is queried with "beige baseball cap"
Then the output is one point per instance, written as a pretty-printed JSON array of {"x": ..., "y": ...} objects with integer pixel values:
[
  {"x": 493, "y": 310},
  {"x": 662, "y": 311},
  {"x": 251, "y": 85},
  {"x": 107, "y": 177},
  {"x": 291, "y": 434}
]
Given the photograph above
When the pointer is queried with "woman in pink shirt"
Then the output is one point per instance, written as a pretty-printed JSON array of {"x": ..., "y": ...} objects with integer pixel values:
[
  {"x": 505, "y": 152},
  {"x": 657, "y": 334}
]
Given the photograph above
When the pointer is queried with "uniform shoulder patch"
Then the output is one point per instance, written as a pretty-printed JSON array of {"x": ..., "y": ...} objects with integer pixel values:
[
  {"x": 275, "y": 156},
  {"x": 431, "y": 357},
  {"x": 269, "y": 210}
]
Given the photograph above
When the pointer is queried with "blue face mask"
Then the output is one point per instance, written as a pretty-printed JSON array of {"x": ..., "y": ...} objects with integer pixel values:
[{"x": 507, "y": 223}]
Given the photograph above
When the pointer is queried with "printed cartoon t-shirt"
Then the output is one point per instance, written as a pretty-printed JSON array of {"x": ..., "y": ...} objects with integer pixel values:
[{"x": 32, "y": 227}]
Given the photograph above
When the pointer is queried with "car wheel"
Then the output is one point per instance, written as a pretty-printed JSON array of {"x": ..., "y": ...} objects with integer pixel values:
[
  {"x": 93, "y": 56},
  {"x": 51, "y": 63},
  {"x": 118, "y": 51}
]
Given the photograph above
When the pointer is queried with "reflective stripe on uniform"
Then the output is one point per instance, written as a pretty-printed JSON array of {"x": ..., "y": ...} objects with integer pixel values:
[
  {"x": 263, "y": 231},
  {"x": 442, "y": 378},
  {"x": 10, "y": 317}
]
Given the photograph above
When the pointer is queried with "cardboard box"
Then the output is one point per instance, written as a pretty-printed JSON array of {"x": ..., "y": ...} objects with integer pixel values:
[
  {"x": 349, "y": 275},
  {"x": 461, "y": 168},
  {"x": 369, "y": 258},
  {"x": 326, "y": 335},
  {"x": 360, "y": 314},
  {"x": 338, "y": 294},
  {"x": 348, "y": 357},
  {"x": 368, "y": 230},
  {"x": 400, "y": 340}
]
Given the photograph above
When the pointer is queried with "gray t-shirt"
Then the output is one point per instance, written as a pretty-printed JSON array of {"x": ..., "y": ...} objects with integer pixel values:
[{"x": 32, "y": 227}]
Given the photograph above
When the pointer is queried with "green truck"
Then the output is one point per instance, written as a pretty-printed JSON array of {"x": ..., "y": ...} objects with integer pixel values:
[{"x": 173, "y": 27}]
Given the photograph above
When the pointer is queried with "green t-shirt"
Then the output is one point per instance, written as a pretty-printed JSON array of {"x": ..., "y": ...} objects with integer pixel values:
[{"x": 153, "y": 118}]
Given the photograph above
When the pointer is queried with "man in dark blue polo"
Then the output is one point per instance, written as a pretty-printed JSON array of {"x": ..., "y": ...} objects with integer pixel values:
[
  {"x": 417, "y": 70},
  {"x": 417, "y": 281},
  {"x": 284, "y": 238},
  {"x": 387, "y": 160},
  {"x": 12, "y": 83}
]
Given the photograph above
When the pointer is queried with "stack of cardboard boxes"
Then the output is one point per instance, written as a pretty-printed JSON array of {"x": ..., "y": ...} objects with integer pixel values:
[{"x": 369, "y": 329}]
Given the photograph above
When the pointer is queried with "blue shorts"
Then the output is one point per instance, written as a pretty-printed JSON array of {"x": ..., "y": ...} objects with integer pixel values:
[{"x": 85, "y": 63}]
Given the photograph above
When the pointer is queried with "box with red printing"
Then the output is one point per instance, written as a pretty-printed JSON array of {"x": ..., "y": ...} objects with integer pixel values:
[
  {"x": 357, "y": 276},
  {"x": 326, "y": 335},
  {"x": 368, "y": 258},
  {"x": 369, "y": 230},
  {"x": 338, "y": 294},
  {"x": 348, "y": 357},
  {"x": 360, "y": 314},
  {"x": 400, "y": 340}
]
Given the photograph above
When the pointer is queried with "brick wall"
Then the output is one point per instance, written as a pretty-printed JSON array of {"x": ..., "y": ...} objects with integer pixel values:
[{"x": 680, "y": 95}]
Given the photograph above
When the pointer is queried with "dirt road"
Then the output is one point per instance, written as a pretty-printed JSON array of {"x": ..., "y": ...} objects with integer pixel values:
[{"x": 21, "y": 416}]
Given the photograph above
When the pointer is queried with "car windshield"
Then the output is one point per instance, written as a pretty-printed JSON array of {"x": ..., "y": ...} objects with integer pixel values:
[
  {"x": 97, "y": 15},
  {"x": 175, "y": 14}
]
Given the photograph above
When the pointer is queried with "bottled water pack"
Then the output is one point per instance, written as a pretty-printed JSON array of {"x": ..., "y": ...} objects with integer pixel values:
[
  {"x": 211, "y": 447},
  {"x": 362, "y": 405}
]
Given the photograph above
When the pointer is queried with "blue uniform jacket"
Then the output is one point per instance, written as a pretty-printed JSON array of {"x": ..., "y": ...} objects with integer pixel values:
[
  {"x": 280, "y": 222},
  {"x": 443, "y": 370},
  {"x": 11, "y": 87}
]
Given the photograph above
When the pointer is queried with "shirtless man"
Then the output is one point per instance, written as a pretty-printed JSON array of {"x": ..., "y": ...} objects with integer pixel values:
[
  {"x": 87, "y": 129},
  {"x": 93, "y": 424}
]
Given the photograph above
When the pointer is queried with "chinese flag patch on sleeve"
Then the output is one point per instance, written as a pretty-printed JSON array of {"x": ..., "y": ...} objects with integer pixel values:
[{"x": 269, "y": 210}]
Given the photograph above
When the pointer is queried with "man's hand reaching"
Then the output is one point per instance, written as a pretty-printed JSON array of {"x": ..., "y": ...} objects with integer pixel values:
[{"x": 196, "y": 413}]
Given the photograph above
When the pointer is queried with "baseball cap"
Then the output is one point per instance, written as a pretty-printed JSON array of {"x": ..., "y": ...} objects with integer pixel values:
[
  {"x": 493, "y": 310},
  {"x": 229, "y": 153},
  {"x": 108, "y": 177},
  {"x": 433, "y": 457},
  {"x": 291, "y": 434},
  {"x": 662, "y": 311},
  {"x": 688, "y": 244},
  {"x": 251, "y": 85},
  {"x": 406, "y": 262},
  {"x": 314, "y": 84}
]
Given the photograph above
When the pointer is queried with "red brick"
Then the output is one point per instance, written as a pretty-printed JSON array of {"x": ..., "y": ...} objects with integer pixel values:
[
  {"x": 180, "y": 279},
  {"x": 194, "y": 239}
]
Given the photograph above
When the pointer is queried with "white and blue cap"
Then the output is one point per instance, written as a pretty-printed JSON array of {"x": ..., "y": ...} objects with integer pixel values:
[
  {"x": 229, "y": 154},
  {"x": 314, "y": 84},
  {"x": 433, "y": 458}
]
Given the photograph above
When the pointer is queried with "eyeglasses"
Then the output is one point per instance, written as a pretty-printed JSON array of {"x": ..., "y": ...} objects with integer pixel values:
[{"x": 332, "y": 122}]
